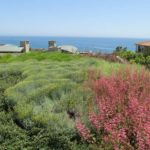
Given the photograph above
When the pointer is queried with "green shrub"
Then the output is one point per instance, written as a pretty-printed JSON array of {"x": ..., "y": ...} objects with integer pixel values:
[
  {"x": 132, "y": 57},
  {"x": 36, "y": 92},
  {"x": 148, "y": 62}
]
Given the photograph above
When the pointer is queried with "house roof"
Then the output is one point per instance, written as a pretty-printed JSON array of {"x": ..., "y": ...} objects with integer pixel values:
[
  {"x": 146, "y": 43},
  {"x": 69, "y": 48},
  {"x": 8, "y": 48}
]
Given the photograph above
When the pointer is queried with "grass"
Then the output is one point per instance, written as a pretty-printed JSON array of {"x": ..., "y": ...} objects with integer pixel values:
[
  {"x": 54, "y": 56},
  {"x": 49, "y": 77}
]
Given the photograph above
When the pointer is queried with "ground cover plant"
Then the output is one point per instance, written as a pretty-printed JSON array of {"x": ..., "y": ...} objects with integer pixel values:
[
  {"x": 118, "y": 116},
  {"x": 134, "y": 57},
  {"x": 38, "y": 56},
  {"x": 41, "y": 94}
]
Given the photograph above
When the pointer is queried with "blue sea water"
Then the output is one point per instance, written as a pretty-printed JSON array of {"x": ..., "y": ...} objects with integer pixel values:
[{"x": 104, "y": 45}]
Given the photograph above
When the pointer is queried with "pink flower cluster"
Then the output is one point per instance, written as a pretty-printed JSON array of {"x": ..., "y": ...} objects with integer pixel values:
[
  {"x": 122, "y": 104},
  {"x": 84, "y": 132}
]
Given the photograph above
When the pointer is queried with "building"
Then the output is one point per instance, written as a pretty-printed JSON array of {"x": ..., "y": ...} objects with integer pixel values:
[
  {"x": 143, "y": 47},
  {"x": 52, "y": 46},
  {"x": 68, "y": 49},
  {"x": 25, "y": 45},
  {"x": 9, "y": 48},
  {"x": 25, "y": 48}
]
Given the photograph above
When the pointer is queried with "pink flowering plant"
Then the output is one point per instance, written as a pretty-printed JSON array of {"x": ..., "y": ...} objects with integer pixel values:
[{"x": 120, "y": 116}]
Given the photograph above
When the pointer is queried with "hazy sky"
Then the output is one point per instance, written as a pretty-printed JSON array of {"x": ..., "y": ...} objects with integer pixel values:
[{"x": 92, "y": 18}]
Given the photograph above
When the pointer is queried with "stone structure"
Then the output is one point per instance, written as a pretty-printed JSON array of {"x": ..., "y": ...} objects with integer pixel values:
[
  {"x": 52, "y": 46},
  {"x": 25, "y": 45}
]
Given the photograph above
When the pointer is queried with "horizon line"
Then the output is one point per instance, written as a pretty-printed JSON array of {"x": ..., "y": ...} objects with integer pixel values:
[{"x": 61, "y": 36}]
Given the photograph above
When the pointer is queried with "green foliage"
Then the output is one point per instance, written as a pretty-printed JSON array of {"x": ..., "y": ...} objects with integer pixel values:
[
  {"x": 36, "y": 92},
  {"x": 148, "y": 62},
  {"x": 120, "y": 48},
  {"x": 126, "y": 54},
  {"x": 132, "y": 57},
  {"x": 53, "y": 56}
]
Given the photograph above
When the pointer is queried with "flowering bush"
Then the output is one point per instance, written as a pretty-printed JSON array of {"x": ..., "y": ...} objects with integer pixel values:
[{"x": 120, "y": 117}]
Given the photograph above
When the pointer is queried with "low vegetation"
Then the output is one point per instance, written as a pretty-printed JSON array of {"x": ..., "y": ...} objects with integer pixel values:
[
  {"x": 134, "y": 57},
  {"x": 55, "y": 56},
  {"x": 43, "y": 95},
  {"x": 39, "y": 92},
  {"x": 118, "y": 117}
]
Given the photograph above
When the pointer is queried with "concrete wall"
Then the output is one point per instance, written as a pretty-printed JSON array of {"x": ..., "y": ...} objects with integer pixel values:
[{"x": 25, "y": 45}]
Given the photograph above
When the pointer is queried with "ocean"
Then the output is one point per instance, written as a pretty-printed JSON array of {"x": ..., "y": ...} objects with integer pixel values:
[{"x": 104, "y": 45}]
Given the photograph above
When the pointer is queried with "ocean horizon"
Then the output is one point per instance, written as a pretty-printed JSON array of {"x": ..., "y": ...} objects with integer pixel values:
[{"x": 94, "y": 44}]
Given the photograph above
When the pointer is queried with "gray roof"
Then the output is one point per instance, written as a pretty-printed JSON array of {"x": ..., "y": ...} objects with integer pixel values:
[
  {"x": 69, "y": 48},
  {"x": 8, "y": 48}
]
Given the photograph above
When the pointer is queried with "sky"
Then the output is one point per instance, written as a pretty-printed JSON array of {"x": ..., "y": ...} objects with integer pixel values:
[{"x": 75, "y": 18}]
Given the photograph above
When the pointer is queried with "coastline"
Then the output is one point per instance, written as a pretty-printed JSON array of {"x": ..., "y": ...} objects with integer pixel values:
[{"x": 106, "y": 45}]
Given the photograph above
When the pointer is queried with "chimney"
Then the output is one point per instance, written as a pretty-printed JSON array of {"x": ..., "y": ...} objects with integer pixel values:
[
  {"x": 25, "y": 45},
  {"x": 52, "y": 45}
]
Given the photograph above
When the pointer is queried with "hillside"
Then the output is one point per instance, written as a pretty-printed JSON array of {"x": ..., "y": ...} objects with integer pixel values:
[{"x": 40, "y": 96}]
